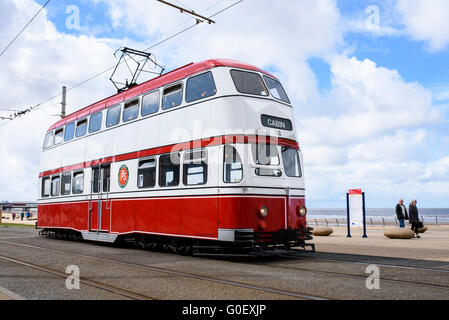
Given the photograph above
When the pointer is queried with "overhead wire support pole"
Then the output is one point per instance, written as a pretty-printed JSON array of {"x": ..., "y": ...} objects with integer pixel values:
[{"x": 191, "y": 12}]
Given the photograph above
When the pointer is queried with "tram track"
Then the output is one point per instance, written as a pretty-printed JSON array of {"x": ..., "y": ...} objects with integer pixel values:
[
  {"x": 117, "y": 291},
  {"x": 266, "y": 289}
]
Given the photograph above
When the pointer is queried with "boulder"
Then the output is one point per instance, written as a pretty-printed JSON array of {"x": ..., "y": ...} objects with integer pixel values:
[
  {"x": 399, "y": 233},
  {"x": 423, "y": 229},
  {"x": 322, "y": 231}
]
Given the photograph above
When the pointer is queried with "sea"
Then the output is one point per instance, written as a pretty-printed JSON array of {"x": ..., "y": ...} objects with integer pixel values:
[{"x": 436, "y": 215}]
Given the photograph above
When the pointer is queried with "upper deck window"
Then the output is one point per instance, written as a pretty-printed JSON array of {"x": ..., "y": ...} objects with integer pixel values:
[
  {"x": 113, "y": 116},
  {"x": 69, "y": 132},
  {"x": 172, "y": 96},
  {"x": 150, "y": 103},
  {"x": 249, "y": 82},
  {"x": 48, "y": 142},
  {"x": 131, "y": 110},
  {"x": 276, "y": 89},
  {"x": 81, "y": 128},
  {"x": 59, "y": 136},
  {"x": 95, "y": 122},
  {"x": 292, "y": 166},
  {"x": 200, "y": 87}
]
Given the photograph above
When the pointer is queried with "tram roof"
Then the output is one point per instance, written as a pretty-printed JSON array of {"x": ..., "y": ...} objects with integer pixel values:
[{"x": 167, "y": 78}]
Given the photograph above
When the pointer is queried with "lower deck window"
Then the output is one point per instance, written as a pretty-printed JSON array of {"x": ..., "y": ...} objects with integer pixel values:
[
  {"x": 232, "y": 167},
  {"x": 169, "y": 170},
  {"x": 66, "y": 183},
  {"x": 46, "y": 185},
  {"x": 55, "y": 183},
  {"x": 146, "y": 174},
  {"x": 292, "y": 166},
  {"x": 78, "y": 183},
  {"x": 195, "y": 168}
]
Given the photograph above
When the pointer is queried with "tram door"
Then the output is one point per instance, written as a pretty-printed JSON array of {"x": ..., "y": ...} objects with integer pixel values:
[{"x": 100, "y": 206}]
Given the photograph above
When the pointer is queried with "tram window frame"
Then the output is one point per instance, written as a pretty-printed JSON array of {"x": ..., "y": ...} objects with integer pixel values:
[
  {"x": 287, "y": 169},
  {"x": 171, "y": 165},
  {"x": 282, "y": 95},
  {"x": 239, "y": 82},
  {"x": 117, "y": 119},
  {"x": 256, "y": 153},
  {"x": 49, "y": 140},
  {"x": 192, "y": 163},
  {"x": 203, "y": 94},
  {"x": 45, "y": 194},
  {"x": 64, "y": 182},
  {"x": 227, "y": 166},
  {"x": 74, "y": 180},
  {"x": 135, "y": 103},
  {"x": 79, "y": 124},
  {"x": 141, "y": 176},
  {"x": 152, "y": 111},
  {"x": 59, "y": 136},
  {"x": 97, "y": 122},
  {"x": 169, "y": 91},
  {"x": 55, "y": 190},
  {"x": 69, "y": 131}
]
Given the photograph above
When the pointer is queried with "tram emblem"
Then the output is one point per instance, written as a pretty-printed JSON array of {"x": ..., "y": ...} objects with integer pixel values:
[{"x": 123, "y": 176}]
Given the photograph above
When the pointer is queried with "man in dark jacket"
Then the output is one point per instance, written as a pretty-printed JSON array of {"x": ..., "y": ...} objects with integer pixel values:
[
  {"x": 401, "y": 213},
  {"x": 414, "y": 218}
]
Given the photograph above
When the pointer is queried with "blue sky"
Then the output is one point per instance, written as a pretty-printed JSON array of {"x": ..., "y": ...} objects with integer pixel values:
[{"x": 371, "y": 101}]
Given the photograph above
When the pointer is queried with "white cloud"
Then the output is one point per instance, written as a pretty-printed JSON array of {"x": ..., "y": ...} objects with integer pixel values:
[{"x": 426, "y": 20}]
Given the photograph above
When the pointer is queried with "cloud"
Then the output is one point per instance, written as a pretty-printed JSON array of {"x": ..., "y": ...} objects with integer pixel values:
[{"x": 426, "y": 20}]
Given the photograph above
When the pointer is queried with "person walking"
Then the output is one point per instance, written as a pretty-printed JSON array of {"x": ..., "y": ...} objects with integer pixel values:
[
  {"x": 21, "y": 216},
  {"x": 401, "y": 213},
  {"x": 414, "y": 218},
  {"x": 13, "y": 216}
]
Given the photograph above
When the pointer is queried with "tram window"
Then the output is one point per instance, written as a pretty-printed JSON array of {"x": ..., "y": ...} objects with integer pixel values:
[
  {"x": 48, "y": 142},
  {"x": 249, "y": 82},
  {"x": 169, "y": 170},
  {"x": 150, "y": 103},
  {"x": 113, "y": 116},
  {"x": 195, "y": 168},
  {"x": 105, "y": 171},
  {"x": 172, "y": 96},
  {"x": 81, "y": 128},
  {"x": 276, "y": 89},
  {"x": 69, "y": 132},
  {"x": 46, "y": 186},
  {"x": 78, "y": 183},
  {"x": 233, "y": 168},
  {"x": 55, "y": 183},
  {"x": 201, "y": 86},
  {"x": 59, "y": 136},
  {"x": 146, "y": 174},
  {"x": 131, "y": 110},
  {"x": 106, "y": 177},
  {"x": 292, "y": 166},
  {"x": 268, "y": 172},
  {"x": 95, "y": 122},
  {"x": 265, "y": 154},
  {"x": 66, "y": 183}
]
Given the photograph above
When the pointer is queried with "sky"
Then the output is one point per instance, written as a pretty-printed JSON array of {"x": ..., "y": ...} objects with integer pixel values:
[{"x": 369, "y": 81}]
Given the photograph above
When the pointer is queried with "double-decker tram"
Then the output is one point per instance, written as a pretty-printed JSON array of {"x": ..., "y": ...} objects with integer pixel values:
[{"x": 202, "y": 159}]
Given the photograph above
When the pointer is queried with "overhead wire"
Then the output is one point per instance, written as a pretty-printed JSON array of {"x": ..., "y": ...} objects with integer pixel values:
[
  {"x": 41, "y": 104},
  {"x": 23, "y": 29}
]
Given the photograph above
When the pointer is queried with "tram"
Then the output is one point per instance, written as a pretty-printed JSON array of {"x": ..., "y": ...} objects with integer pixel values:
[{"x": 204, "y": 158}]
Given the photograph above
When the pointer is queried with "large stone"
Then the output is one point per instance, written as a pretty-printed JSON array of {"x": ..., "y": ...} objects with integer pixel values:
[
  {"x": 322, "y": 231},
  {"x": 423, "y": 229},
  {"x": 399, "y": 233}
]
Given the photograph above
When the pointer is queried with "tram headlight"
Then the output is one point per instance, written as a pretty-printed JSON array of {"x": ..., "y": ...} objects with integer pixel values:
[
  {"x": 262, "y": 211},
  {"x": 302, "y": 211}
]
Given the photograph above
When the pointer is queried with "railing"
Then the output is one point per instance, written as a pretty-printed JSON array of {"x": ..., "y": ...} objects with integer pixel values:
[{"x": 380, "y": 221}]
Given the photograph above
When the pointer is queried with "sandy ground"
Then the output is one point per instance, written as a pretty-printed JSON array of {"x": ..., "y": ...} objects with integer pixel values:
[
  {"x": 433, "y": 244},
  {"x": 7, "y": 218}
]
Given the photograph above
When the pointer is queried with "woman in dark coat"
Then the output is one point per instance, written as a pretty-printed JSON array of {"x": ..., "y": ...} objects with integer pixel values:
[{"x": 414, "y": 218}]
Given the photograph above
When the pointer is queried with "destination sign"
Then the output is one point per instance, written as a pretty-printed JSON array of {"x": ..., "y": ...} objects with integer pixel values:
[{"x": 275, "y": 122}]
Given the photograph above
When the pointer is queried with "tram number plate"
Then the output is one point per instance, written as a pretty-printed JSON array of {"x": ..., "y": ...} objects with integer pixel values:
[{"x": 275, "y": 122}]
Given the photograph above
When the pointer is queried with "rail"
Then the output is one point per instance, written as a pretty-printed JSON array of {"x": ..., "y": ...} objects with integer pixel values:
[{"x": 378, "y": 221}]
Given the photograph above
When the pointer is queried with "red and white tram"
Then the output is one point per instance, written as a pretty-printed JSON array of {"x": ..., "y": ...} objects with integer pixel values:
[{"x": 205, "y": 156}]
